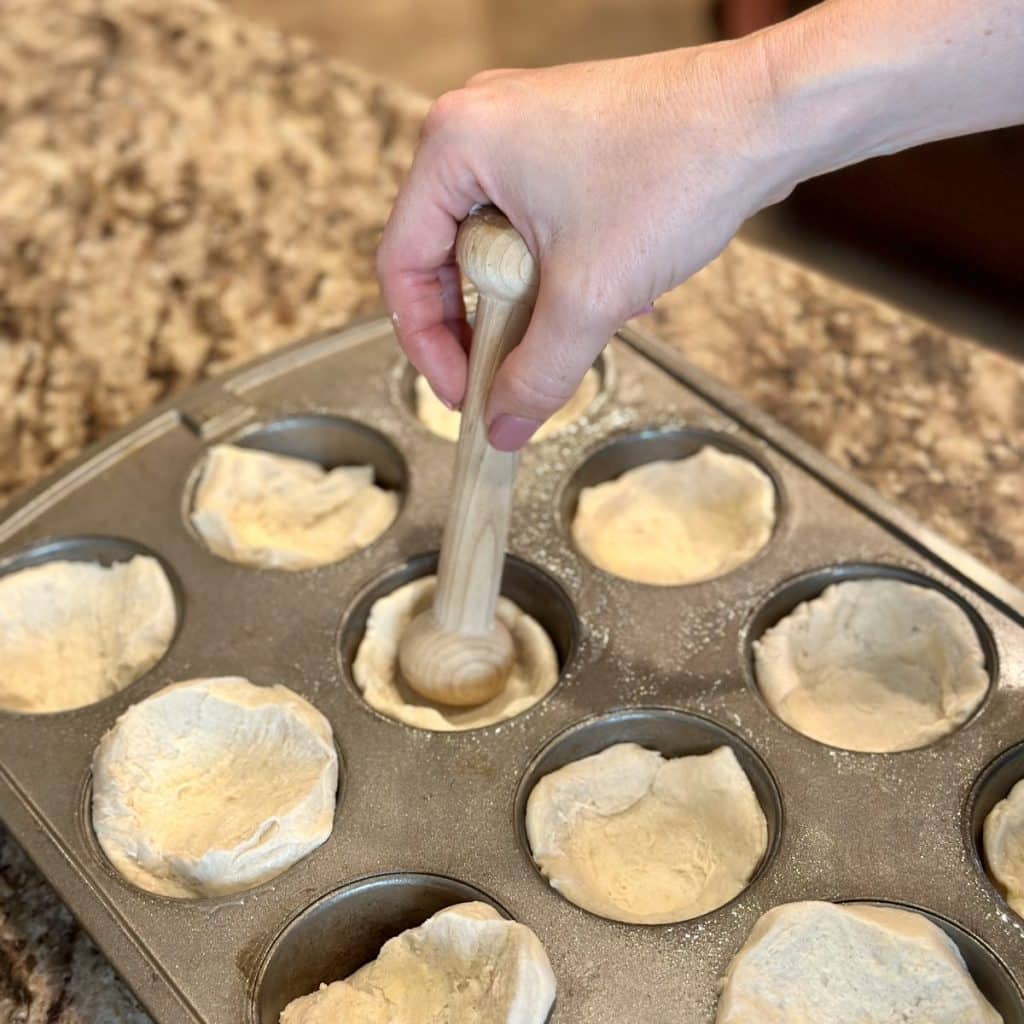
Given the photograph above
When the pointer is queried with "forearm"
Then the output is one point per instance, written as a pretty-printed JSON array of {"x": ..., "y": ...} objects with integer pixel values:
[{"x": 853, "y": 79}]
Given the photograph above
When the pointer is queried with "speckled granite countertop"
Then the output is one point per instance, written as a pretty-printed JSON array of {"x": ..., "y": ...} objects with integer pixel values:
[{"x": 180, "y": 190}]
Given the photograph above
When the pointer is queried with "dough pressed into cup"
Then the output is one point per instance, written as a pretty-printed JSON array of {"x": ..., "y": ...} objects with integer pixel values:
[
  {"x": 674, "y": 522},
  {"x": 466, "y": 963},
  {"x": 875, "y": 665},
  {"x": 211, "y": 786},
  {"x": 1003, "y": 839},
  {"x": 272, "y": 511},
  {"x": 72, "y": 633},
  {"x": 634, "y": 837},
  {"x": 376, "y": 673},
  {"x": 819, "y": 963},
  {"x": 444, "y": 422}
]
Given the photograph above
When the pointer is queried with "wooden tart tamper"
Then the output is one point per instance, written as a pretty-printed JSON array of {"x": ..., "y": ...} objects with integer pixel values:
[{"x": 457, "y": 652}]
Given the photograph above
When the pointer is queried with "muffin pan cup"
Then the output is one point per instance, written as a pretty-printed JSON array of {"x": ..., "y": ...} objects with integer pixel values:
[{"x": 420, "y": 806}]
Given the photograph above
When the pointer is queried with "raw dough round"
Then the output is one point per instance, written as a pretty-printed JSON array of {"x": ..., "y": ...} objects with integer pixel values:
[
  {"x": 466, "y": 964},
  {"x": 1003, "y": 840},
  {"x": 72, "y": 633},
  {"x": 275, "y": 512},
  {"x": 212, "y": 786},
  {"x": 676, "y": 522},
  {"x": 873, "y": 665},
  {"x": 634, "y": 837},
  {"x": 375, "y": 668},
  {"x": 818, "y": 963},
  {"x": 444, "y": 422}
]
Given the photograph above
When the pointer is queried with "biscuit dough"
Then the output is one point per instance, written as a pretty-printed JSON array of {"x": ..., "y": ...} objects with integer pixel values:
[
  {"x": 1003, "y": 840},
  {"x": 873, "y": 665},
  {"x": 634, "y": 837},
  {"x": 444, "y": 422},
  {"x": 465, "y": 965},
  {"x": 675, "y": 522},
  {"x": 819, "y": 963},
  {"x": 274, "y": 512},
  {"x": 72, "y": 633},
  {"x": 212, "y": 786},
  {"x": 376, "y": 673}
]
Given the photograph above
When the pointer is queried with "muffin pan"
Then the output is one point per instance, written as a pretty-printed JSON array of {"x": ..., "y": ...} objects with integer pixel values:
[{"x": 427, "y": 819}]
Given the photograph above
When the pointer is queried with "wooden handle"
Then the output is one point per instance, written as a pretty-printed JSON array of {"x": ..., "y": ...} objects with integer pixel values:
[
  {"x": 462, "y": 655},
  {"x": 494, "y": 257}
]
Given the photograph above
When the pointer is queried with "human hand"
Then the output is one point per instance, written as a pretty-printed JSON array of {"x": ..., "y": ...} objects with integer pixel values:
[{"x": 624, "y": 177}]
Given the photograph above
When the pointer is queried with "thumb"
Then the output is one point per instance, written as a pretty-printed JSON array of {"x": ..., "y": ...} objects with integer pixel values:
[{"x": 543, "y": 371}]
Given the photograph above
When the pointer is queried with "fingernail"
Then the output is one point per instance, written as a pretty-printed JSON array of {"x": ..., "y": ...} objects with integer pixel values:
[
  {"x": 450, "y": 406},
  {"x": 510, "y": 433}
]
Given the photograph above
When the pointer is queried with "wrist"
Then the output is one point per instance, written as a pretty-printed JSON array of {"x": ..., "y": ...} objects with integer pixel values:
[
  {"x": 784, "y": 128},
  {"x": 854, "y": 79},
  {"x": 746, "y": 115},
  {"x": 826, "y": 102}
]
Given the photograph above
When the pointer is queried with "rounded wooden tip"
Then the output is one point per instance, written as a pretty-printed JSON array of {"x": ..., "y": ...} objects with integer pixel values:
[
  {"x": 493, "y": 255},
  {"x": 458, "y": 669}
]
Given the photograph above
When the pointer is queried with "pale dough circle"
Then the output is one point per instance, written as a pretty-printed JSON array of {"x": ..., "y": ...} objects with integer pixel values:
[
  {"x": 271, "y": 511},
  {"x": 444, "y": 422},
  {"x": 1003, "y": 840},
  {"x": 819, "y": 963},
  {"x": 72, "y": 633},
  {"x": 873, "y": 665},
  {"x": 681, "y": 521},
  {"x": 376, "y": 673},
  {"x": 212, "y": 786},
  {"x": 634, "y": 837},
  {"x": 466, "y": 964}
]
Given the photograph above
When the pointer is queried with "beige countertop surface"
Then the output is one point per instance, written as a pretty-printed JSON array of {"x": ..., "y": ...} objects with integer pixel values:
[{"x": 181, "y": 190}]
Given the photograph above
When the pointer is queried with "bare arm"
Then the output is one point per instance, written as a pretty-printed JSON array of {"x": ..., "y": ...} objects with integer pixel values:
[
  {"x": 627, "y": 176},
  {"x": 876, "y": 76}
]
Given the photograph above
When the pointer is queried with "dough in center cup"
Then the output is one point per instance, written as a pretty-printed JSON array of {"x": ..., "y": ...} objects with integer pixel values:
[{"x": 376, "y": 673}]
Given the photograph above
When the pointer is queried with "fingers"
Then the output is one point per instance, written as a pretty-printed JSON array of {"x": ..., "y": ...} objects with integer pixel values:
[
  {"x": 543, "y": 372},
  {"x": 428, "y": 328},
  {"x": 453, "y": 304},
  {"x": 416, "y": 262}
]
